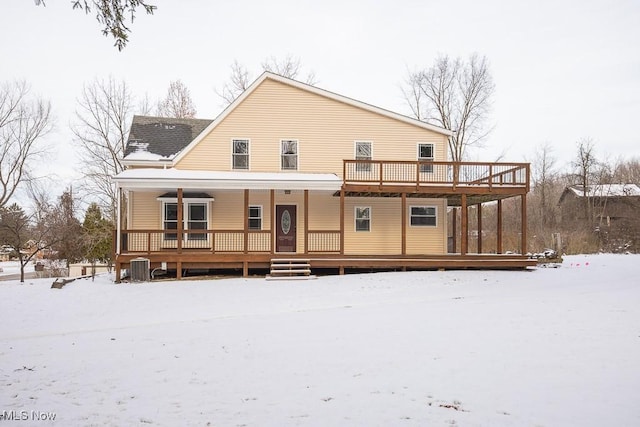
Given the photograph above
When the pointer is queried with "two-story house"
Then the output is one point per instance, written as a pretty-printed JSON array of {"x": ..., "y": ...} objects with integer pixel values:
[{"x": 289, "y": 170}]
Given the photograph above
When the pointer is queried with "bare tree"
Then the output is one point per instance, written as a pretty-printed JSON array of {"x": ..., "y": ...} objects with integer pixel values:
[
  {"x": 23, "y": 123},
  {"x": 112, "y": 14},
  {"x": 584, "y": 165},
  {"x": 240, "y": 78},
  {"x": 455, "y": 95},
  {"x": 543, "y": 175},
  {"x": 177, "y": 103},
  {"x": 102, "y": 123}
]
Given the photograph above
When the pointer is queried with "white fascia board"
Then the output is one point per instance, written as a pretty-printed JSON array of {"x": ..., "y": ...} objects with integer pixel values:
[
  {"x": 148, "y": 163},
  {"x": 202, "y": 180}
]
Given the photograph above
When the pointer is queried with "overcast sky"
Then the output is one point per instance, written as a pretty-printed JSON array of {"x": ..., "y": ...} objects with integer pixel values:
[{"x": 564, "y": 70}]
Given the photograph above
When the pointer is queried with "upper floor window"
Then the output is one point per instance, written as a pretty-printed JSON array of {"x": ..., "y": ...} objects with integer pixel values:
[
  {"x": 425, "y": 154},
  {"x": 240, "y": 153},
  {"x": 289, "y": 154},
  {"x": 423, "y": 216},
  {"x": 363, "y": 218},
  {"x": 363, "y": 152},
  {"x": 255, "y": 217}
]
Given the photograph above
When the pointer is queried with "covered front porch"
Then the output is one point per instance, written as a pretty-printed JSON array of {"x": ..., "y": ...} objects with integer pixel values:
[{"x": 183, "y": 247}]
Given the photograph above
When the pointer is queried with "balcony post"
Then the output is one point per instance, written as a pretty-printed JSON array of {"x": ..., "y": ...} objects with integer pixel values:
[
  {"x": 464, "y": 227},
  {"x": 246, "y": 221},
  {"x": 272, "y": 215},
  {"x": 480, "y": 228},
  {"x": 523, "y": 225},
  {"x": 499, "y": 227},
  {"x": 306, "y": 221},
  {"x": 180, "y": 225},
  {"x": 342, "y": 221},
  {"x": 404, "y": 223},
  {"x": 454, "y": 229}
]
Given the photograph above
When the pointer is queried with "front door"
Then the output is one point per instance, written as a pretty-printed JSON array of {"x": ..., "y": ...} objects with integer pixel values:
[{"x": 285, "y": 228}]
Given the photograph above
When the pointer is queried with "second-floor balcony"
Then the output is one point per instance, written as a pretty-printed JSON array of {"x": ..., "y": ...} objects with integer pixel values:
[{"x": 432, "y": 177}]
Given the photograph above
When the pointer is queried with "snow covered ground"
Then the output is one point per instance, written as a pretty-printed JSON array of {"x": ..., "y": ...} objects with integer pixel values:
[{"x": 550, "y": 347}]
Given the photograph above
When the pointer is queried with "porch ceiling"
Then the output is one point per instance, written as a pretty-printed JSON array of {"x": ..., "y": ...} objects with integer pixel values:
[
  {"x": 172, "y": 179},
  {"x": 452, "y": 199}
]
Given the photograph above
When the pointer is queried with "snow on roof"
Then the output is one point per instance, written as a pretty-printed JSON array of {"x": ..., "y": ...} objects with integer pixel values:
[
  {"x": 607, "y": 190},
  {"x": 176, "y": 178}
]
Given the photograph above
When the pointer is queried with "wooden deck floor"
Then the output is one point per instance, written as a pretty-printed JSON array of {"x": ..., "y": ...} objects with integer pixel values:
[{"x": 342, "y": 263}]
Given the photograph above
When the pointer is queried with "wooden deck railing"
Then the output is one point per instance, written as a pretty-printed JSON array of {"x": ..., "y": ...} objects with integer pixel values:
[
  {"x": 219, "y": 241},
  {"x": 425, "y": 173}
]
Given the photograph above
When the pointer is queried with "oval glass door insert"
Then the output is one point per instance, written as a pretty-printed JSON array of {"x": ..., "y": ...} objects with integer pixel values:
[{"x": 285, "y": 222}]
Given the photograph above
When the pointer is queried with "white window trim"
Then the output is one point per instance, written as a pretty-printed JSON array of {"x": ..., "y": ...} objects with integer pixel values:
[
  {"x": 423, "y": 206},
  {"x": 355, "y": 154},
  {"x": 185, "y": 213},
  {"x": 261, "y": 217},
  {"x": 432, "y": 158},
  {"x": 355, "y": 219},
  {"x": 248, "y": 153},
  {"x": 297, "y": 153}
]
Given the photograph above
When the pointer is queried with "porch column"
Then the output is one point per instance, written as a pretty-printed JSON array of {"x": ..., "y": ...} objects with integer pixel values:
[
  {"x": 118, "y": 233},
  {"x": 480, "y": 228},
  {"x": 523, "y": 223},
  {"x": 246, "y": 221},
  {"x": 342, "y": 221},
  {"x": 306, "y": 221},
  {"x": 464, "y": 226},
  {"x": 404, "y": 223},
  {"x": 180, "y": 228},
  {"x": 272, "y": 215},
  {"x": 499, "y": 228},
  {"x": 454, "y": 229}
]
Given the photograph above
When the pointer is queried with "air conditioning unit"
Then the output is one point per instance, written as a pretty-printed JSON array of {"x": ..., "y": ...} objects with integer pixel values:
[{"x": 140, "y": 270}]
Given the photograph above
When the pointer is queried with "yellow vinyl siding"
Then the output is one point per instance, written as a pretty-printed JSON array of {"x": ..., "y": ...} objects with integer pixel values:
[
  {"x": 385, "y": 235},
  {"x": 146, "y": 211},
  {"x": 427, "y": 240},
  {"x": 324, "y": 128}
]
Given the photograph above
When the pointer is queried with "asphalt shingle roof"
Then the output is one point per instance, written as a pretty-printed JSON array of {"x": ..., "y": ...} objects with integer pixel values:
[{"x": 163, "y": 136}]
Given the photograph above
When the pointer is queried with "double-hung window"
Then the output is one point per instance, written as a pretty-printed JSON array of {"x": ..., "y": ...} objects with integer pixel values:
[
  {"x": 255, "y": 217},
  {"x": 194, "y": 218},
  {"x": 289, "y": 154},
  {"x": 240, "y": 153},
  {"x": 423, "y": 216},
  {"x": 363, "y": 152},
  {"x": 363, "y": 218},
  {"x": 425, "y": 154}
]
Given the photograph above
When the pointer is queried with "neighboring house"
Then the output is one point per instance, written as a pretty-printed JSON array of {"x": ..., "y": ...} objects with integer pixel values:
[
  {"x": 289, "y": 170},
  {"x": 614, "y": 208}
]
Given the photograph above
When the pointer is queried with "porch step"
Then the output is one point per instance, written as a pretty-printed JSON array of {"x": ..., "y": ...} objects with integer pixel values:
[{"x": 290, "y": 268}]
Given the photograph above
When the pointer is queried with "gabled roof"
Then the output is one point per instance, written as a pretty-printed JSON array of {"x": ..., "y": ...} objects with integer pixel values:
[
  {"x": 160, "y": 138},
  {"x": 311, "y": 89},
  {"x": 604, "y": 190}
]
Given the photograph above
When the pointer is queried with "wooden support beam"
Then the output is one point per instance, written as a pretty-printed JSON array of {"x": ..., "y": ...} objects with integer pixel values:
[
  {"x": 480, "y": 228},
  {"x": 342, "y": 223},
  {"x": 306, "y": 221},
  {"x": 180, "y": 225},
  {"x": 404, "y": 223},
  {"x": 454, "y": 229},
  {"x": 178, "y": 270},
  {"x": 246, "y": 221},
  {"x": 523, "y": 224},
  {"x": 464, "y": 226},
  {"x": 245, "y": 269},
  {"x": 499, "y": 228},
  {"x": 272, "y": 215}
]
